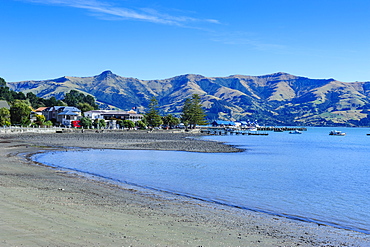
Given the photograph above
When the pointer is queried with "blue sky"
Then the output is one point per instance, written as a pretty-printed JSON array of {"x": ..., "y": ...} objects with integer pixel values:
[{"x": 45, "y": 39}]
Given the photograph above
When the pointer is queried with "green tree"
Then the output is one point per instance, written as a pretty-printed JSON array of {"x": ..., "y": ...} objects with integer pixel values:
[
  {"x": 52, "y": 101},
  {"x": 48, "y": 123},
  {"x": 170, "y": 120},
  {"x": 2, "y": 82},
  {"x": 84, "y": 107},
  {"x": 192, "y": 112},
  {"x": 5, "y": 94},
  {"x": 128, "y": 124},
  {"x": 102, "y": 123},
  {"x": 91, "y": 101},
  {"x": 141, "y": 125},
  {"x": 33, "y": 99},
  {"x": 73, "y": 98},
  {"x": 99, "y": 124},
  {"x": 20, "y": 96},
  {"x": 152, "y": 116},
  {"x": 86, "y": 122},
  {"x": 186, "y": 115},
  {"x": 20, "y": 113},
  {"x": 9, "y": 95},
  {"x": 4, "y": 117}
]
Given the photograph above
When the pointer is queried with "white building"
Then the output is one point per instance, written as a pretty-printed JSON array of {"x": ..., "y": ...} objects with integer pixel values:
[{"x": 114, "y": 115}]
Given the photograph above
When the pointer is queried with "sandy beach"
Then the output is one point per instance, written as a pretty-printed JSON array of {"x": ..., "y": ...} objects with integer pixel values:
[{"x": 43, "y": 206}]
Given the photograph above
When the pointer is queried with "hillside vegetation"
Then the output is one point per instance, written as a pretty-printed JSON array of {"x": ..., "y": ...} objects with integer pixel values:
[{"x": 275, "y": 99}]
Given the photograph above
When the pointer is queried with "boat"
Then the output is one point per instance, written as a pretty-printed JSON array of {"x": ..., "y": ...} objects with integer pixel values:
[
  {"x": 257, "y": 134},
  {"x": 337, "y": 133},
  {"x": 295, "y": 132}
]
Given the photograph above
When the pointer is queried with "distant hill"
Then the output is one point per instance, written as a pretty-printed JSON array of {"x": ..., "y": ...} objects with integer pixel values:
[{"x": 275, "y": 99}]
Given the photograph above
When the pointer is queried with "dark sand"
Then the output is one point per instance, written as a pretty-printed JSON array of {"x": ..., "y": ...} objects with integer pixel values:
[{"x": 40, "y": 206}]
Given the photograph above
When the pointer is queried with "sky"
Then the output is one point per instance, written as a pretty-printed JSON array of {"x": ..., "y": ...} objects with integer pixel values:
[{"x": 320, "y": 39}]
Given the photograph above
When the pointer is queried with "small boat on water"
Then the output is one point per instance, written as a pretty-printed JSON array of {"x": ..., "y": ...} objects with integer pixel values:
[
  {"x": 257, "y": 134},
  {"x": 295, "y": 132},
  {"x": 337, "y": 133}
]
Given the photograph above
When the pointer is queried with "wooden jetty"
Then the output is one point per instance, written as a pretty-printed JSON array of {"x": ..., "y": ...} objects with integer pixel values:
[
  {"x": 263, "y": 131},
  {"x": 281, "y": 129}
]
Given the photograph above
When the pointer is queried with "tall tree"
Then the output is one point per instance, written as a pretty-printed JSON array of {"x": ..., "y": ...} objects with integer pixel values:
[
  {"x": 73, "y": 98},
  {"x": 9, "y": 95},
  {"x": 33, "y": 99},
  {"x": 152, "y": 116},
  {"x": 20, "y": 113},
  {"x": 2, "y": 82},
  {"x": 192, "y": 112},
  {"x": 86, "y": 122},
  {"x": 91, "y": 101},
  {"x": 170, "y": 120},
  {"x": 52, "y": 101},
  {"x": 84, "y": 107},
  {"x": 186, "y": 115}
]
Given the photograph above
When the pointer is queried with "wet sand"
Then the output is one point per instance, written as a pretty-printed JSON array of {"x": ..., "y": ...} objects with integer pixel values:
[{"x": 40, "y": 206}]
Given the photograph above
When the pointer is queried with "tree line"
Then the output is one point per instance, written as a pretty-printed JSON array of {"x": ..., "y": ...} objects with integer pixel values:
[
  {"x": 192, "y": 115},
  {"x": 22, "y": 104}
]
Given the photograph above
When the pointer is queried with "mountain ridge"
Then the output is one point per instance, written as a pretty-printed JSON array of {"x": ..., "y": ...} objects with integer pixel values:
[{"x": 274, "y": 99}]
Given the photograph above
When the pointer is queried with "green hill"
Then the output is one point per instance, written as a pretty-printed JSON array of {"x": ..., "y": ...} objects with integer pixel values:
[{"x": 275, "y": 99}]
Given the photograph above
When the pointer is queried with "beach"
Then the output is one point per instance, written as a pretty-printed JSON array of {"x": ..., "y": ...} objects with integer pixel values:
[{"x": 43, "y": 206}]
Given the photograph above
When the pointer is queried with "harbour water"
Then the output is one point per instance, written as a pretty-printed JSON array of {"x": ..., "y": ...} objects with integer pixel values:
[{"x": 310, "y": 176}]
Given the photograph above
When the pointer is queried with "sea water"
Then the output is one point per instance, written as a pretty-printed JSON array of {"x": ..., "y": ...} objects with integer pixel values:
[{"x": 310, "y": 176}]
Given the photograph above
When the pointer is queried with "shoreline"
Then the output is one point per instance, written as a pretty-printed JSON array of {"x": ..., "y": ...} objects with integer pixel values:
[{"x": 46, "y": 206}]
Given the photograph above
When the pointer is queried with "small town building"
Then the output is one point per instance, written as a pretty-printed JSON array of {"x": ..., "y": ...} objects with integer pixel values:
[
  {"x": 63, "y": 115},
  {"x": 114, "y": 115}
]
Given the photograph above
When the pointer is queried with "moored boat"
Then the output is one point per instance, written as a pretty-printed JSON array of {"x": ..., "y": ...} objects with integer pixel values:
[
  {"x": 337, "y": 133},
  {"x": 295, "y": 132},
  {"x": 257, "y": 134}
]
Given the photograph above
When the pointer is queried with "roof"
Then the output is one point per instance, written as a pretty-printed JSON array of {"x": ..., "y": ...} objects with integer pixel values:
[
  {"x": 4, "y": 104},
  {"x": 110, "y": 112},
  {"x": 70, "y": 113},
  {"x": 41, "y": 109},
  {"x": 63, "y": 108},
  {"x": 96, "y": 111}
]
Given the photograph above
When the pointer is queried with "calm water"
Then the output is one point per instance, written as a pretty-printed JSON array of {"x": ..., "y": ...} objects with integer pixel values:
[{"x": 312, "y": 176}]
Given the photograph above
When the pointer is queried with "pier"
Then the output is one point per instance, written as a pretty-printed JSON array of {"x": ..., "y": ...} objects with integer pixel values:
[
  {"x": 280, "y": 129},
  {"x": 262, "y": 131}
]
